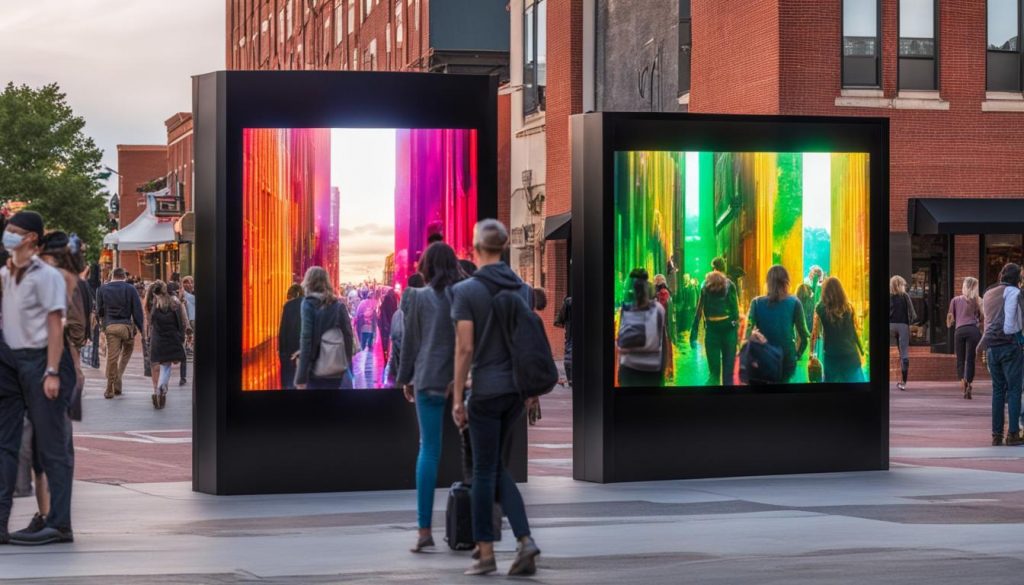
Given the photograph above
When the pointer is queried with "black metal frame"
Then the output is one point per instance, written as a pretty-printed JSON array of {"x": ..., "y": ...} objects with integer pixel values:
[
  {"x": 936, "y": 17},
  {"x": 1019, "y": 52},
  {"x": 637, "y": 434},
  {"x": 314, "y": 440},
  {"x": 878, "y": 57}
]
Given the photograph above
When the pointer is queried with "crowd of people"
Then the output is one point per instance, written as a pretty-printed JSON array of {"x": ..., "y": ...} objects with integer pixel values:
[{"x": 776, "y": 331}]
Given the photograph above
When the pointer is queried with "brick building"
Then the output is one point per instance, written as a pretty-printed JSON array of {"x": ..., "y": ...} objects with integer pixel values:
[
  {"x": 450, "y": 36},
  {"x": 179, "y": 181},
  {"x": 947, "y": 74},
  {"x": 137, "y": 165}
]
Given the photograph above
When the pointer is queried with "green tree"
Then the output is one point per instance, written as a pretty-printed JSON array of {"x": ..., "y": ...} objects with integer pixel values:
[{"x": 47, "y": 160}]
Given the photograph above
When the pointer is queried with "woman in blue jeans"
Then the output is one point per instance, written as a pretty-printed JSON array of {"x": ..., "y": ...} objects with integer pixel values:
[{"x": 426, "y": 369}]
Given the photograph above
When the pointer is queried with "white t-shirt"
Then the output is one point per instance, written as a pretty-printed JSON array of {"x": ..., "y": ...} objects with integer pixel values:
[{"x": 27, "y": 304}]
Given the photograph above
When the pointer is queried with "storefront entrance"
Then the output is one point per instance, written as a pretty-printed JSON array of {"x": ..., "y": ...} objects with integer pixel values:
[{"x": 930, "y": 289}]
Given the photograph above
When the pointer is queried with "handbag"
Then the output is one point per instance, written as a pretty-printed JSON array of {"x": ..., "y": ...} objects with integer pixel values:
[{"x": 815, "y": 373}]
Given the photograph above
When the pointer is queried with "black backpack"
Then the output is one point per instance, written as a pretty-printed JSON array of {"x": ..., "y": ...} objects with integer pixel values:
[{"x": 534, "y": 372}]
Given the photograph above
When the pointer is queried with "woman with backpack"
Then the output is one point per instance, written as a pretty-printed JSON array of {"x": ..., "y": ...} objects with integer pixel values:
[
  {"x": 779, "y": 318},
  {"x": 325, "y": 335},
  {"x": 641, "y": 337},
  {"x": 901, "y": 315},
  {"x": 836, "y": 325},
  {"x": 426, "y": 369},
  {"x": 168, "y": 325},
  {"x": 718, "y": 306}
]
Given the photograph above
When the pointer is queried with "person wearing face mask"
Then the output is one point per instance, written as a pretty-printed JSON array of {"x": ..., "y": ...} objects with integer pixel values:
[{"x": 34, "y": 304}]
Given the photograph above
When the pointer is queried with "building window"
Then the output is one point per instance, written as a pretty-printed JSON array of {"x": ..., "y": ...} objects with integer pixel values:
[
  {"x": 339, "y": 31},
  {"x": 367, "y": 7},
  {"x": 280, "y": 26},
  {"x": 355, "y": 59},
  {"x": 399, "y": 30},
  {"x": 1004, "y": 58},
  {"x": 417, "y": 15},
  {"x": 372, "y": 55},
  {"x": 535, "y": 61},
  {"x": 351, "y": 16},
  {"x": 918, "y": 50},
  {"x": 860, "y": 43},
  {"x": 685, "y": 44},
  {"x": 289, "y": 13}
]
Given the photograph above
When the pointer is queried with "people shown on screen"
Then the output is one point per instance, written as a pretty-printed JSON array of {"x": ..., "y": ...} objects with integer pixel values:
[
  {"x": 718, "y": 308},
  {"x": 641, "y": 336},
  {"x": 386, "y": 311},
  {"x": 288, "y": 336},
  {"x": 426, "y": 369},
  {"x": 366, "y": 319},
  {"x": 414, "y": 281},
  {"x": 836, "y": 325},
  {"x": 325, "y": 335},
  {"x": 779, "y": 317},
  {"x": 805, "y": 294},
  {"x": 664, "y": 298}
]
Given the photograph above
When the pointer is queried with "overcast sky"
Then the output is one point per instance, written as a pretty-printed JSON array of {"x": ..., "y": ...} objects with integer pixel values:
[{"x": 124, "y": 64}]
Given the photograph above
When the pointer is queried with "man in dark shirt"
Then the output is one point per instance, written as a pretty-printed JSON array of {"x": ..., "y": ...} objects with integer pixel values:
[
  {"x": 119, "y": 309},
  {"x": 495, "y": 404}
]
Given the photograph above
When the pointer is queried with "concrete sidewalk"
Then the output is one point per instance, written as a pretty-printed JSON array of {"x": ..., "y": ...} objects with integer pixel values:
[{"x": 909, "y": 525}]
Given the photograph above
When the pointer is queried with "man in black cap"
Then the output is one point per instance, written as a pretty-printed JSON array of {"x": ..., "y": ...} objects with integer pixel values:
[{"x": 34, "y": 304}]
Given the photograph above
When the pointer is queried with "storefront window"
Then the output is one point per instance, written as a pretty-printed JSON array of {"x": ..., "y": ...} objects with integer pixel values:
[{"x": 1000, "y": 249}]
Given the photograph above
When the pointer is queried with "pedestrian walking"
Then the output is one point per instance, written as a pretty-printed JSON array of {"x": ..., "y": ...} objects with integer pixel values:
[
  {"x": 288, "y": 332},
  {"x": 34, "y": 306},
  {"x": 779, "y": 317},
  {"x": 326, "y": 329},
  {"x": 718, "y": 308},
  {"x": 119, "y": 309},
  {"x": 386, "y": 312},
  {"x": 1003, "y": 308},
  {"x": 426, "y": 370},
  {"x": 901, "y": 315},
  {"x": 965, "y": 316},
  {"x": 641, "y": 356},
  {"x": 57, "y": 252},
  {"x": 495, "y": 404},
  {"x": 415, "y": 280},
  {"x": 836, "y": 325},
  {"x": 95, "y": 282},
  {"x": 564, "y": 321},
  {"x": 168, "y": 325},
  {"x": 188, "y": 295}
]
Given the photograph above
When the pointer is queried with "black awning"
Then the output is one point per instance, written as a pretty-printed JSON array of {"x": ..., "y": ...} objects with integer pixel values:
[
  {"x": 965, "y": 216},
  {"x": 558, "y": 227}
]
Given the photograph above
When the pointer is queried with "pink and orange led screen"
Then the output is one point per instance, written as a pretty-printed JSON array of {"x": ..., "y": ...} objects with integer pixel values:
[{"x": 361, "y": 204}]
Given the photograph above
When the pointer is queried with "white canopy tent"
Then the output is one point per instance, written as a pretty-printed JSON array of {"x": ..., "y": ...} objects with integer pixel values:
[{"x": 145, "y": 232}]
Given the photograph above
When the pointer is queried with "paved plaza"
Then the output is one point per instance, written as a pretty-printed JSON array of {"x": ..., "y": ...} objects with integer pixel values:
[{"x": 951, "y": 510}]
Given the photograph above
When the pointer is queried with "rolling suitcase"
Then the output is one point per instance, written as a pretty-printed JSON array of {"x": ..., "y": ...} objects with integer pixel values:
[{"x": 458, "y": 529}]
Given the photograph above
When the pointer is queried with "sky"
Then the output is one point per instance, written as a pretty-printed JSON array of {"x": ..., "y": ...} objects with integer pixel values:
[
  {"x": 363, "y": 169},
  {"x": 125, "y": 65}
]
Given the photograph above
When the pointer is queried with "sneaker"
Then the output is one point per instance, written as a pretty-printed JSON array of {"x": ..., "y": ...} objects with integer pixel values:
[
  {"x": 1013, "y": 439},
  {"x": 482, "y": 567},
  {"x": 182, "y": 382},
  {"x": 526, "y": 559},
  {"x": 997, "y": 440},
  {"x": 48, "y": 535},
  {"x": 38, "y": 523}
]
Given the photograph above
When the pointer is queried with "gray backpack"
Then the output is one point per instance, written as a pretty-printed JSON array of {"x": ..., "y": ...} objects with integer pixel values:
[{"x": 332, "y": 358}]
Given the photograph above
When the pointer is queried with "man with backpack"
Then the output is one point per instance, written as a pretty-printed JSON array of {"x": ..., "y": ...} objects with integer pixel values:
[{"x": 481, "y": 309}]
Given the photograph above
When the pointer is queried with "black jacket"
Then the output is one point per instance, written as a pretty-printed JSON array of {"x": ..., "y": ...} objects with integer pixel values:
[
  {"x": 291, "y": 326},
  {"x": 117, "y": 302}
]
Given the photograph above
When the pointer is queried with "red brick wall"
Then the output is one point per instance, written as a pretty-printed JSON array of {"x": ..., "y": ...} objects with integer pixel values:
[
  {"x": 312, "y": 44},
  {"x": 179, "y": 152},
  {"x": 735, "y": 56},
  {"x": 564, "y": 98},
  {"x": 136, "y": 165},
  {"x": 505, "y": 158}
]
